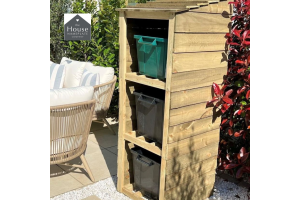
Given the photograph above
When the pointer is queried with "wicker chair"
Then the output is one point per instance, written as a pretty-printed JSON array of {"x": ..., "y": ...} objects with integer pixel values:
[
  {"x": 69, "y": 129},
  {"x": 103, "y": 94}
]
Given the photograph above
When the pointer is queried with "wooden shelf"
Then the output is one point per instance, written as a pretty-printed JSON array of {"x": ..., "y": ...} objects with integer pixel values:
[
  {"x": 128, "y": 191},
  {"x": 136, "y": 9},
  {"x": 141, "y": 141},
  {"x": 142, "y": 79}
]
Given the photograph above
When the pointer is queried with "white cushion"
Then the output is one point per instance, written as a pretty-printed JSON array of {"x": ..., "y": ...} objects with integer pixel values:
[
  {"x": 89, "y": 79},
  {"x": 65, "y": 96},
  {"x": 57, "y": 75},
  {"x": 106, "y": 73},
  {"x": 74, "y": 71}
]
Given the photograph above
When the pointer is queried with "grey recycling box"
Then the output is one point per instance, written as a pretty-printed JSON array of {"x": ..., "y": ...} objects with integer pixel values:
[
  {"x": 150, "y": 116},
  {"x": 146, "y": 172}
]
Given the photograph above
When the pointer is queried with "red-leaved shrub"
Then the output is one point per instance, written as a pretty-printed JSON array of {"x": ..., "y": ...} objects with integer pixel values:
[{"x": 234, "y": 97}]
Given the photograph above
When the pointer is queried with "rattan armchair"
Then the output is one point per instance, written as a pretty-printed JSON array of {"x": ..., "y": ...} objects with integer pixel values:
[
  {"x": 69, "y": 130},
  {"x": 103, "y": 94}
]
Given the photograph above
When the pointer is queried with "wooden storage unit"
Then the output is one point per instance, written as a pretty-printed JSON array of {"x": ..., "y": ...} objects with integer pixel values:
[{"x": 196, "y": 58}]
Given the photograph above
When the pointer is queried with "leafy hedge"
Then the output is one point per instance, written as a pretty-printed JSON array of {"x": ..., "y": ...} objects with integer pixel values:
[
  {"x": 102, "y": 49},
  {"x": 233, "y": 99},
  {"x": 57, "y": 10}
]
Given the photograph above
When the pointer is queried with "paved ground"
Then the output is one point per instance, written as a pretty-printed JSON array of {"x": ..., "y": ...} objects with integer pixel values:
[{"x": 101, "y": 155}]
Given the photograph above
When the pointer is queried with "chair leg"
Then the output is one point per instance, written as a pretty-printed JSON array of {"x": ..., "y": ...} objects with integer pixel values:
[
  {"x": 108, "y": 125},
  {"x": 87, "y": 168}
]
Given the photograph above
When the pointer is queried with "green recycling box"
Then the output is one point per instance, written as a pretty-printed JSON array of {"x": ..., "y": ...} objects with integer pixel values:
[{"x": 152, "y": 56}]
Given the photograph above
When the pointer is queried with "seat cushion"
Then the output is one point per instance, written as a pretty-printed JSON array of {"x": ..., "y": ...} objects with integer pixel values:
[
  {"x": 57, "y": 75},
  {"x": 106, "y": 73},
  {"x": 65, "y": 96},
  {"x": 89, "y": 79},
  {"x": 74, "y": 71}
]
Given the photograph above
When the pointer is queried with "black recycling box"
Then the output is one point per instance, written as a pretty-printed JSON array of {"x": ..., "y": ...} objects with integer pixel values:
[
  {"x": 146, "y": 172},
  {"x": 150, "y": 116}
]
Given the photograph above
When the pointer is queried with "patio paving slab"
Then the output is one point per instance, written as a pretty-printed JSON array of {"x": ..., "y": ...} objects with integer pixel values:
[
  {"x": 94, "y": 197},
  {"x": 103, "y": 164},
  {"x": 104, "y": 137},
  {"x": 92, "y": 147},
  {"x": 113, "y": 149},
  {"x": 61, "y": 182}
]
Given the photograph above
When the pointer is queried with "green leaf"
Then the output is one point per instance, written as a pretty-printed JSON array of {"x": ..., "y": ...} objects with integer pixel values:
[
  {"x": 105, "y": 52},
  {"x": 243, "y": 114},
  {"x": 107, "y": 30},
  {"x": 243, "y": 103},
  {"x": 111, "y": 56},
  {"x": 239, "y": 83}
]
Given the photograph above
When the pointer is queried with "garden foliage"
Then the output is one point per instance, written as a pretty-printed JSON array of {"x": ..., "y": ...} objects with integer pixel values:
[
  {"x": 57, "y": 10},
  {"x": 233, "y": 98}
]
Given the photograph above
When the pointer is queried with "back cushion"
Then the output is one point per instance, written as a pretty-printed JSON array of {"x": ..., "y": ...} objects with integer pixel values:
[
  {"x": 57, "y": 75},
  {"x": 89, "y": 78},
  {"x": 74, "y": 71},
  {"x": 106, "y": 73},
  {"x": 65, "y": 96}
]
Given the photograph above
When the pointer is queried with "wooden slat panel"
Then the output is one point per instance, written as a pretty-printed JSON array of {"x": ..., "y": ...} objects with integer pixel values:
[
  {"x": 191, "y": 191},
  {"x": 189, "y": 97},
  {"x": 135, "y": 9},
  {"x": 147, "y": 15},
  {"x": 193, "y": 143},
  {"x": 202, "y": 23},
  {"x": 196, "y": 79},
  {"x": 178, "y": 5},
  {"x": 189, "y": 173},
  {"x": 178, "y": 163},
  {"x": 221, "y": 7},
  {"x": 189, "y": 129},
  {"x": 191, "y": 113},
  {"x": 175, "y": 1},
  {"x": 199, "y": 42},
  {"x": 183, "y": 62}
]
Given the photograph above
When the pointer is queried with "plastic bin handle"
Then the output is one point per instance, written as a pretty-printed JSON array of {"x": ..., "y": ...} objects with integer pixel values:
[
  {"x": 143, "y": 100},
  {"x": 141, "y": 41},
  {"x": 139, "y": 158}
]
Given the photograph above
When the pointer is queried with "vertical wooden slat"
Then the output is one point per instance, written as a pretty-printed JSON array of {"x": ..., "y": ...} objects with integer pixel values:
[
  {"x": 122, "y": 100},
  {"x": 167, "y": 106}
]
